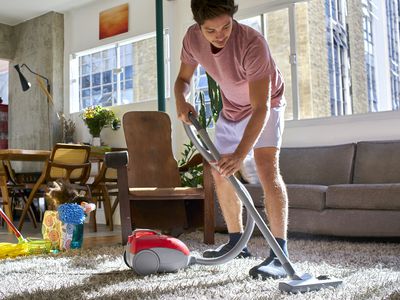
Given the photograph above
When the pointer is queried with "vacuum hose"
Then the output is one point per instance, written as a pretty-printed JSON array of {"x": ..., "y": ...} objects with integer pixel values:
[{"x": 211, "y": 154}]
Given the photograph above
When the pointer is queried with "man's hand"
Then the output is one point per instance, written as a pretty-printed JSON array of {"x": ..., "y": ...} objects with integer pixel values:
[
  {"x": 229, "y": 164},
  {"x": 182, "y": 109}
]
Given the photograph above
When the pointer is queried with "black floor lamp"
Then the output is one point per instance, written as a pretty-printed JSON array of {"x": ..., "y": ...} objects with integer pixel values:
[{"x": 25, "y": 84}]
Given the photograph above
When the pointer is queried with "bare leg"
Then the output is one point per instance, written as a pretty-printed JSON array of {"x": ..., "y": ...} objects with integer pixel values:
[
  {"x": 230, "y": 204},
  {"x": 231, "y": 208},
  {"x": 276, "y": 203},
  {"x": 276, "y": 200}
]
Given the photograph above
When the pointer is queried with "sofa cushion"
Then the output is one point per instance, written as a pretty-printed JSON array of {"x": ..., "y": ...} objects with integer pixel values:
[
  {"x": 364, "y": 196},
  {"x": 323, "y": 165},
  {"x": 377, "y": 162},
  {"x": 306, "y": 196}
]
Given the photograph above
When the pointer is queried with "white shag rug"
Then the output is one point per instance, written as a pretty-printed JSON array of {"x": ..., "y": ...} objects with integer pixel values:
[{"x": 369, "y": 270}]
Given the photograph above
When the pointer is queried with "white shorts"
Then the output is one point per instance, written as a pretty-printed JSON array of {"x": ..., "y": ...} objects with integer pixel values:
[{"x": 228, "y": 134}]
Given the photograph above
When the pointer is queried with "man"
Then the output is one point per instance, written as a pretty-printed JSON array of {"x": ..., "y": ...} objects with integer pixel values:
[{"x": 238, "y": 58}]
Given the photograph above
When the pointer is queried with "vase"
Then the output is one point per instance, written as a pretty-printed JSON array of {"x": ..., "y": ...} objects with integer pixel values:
[
  {"x": 77, "y": 237},
  {"x": 51, "y": 228},
  {"x": 96, "y": 141},
  {"x": 71, "y": 236}
]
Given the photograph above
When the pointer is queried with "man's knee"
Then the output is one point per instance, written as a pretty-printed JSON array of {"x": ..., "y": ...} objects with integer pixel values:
[{"x": 218, "y": 178}]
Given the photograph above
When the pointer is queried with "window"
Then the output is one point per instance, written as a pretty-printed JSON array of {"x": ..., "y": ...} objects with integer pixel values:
[
  {"x": 116, "y": 74},
  {"x": 332, "y": 64},
  {"x": 393, "y": 25},
  {"x": 338, "y": 57},
  {"x": 4, "y": 81},
  {"x": 369, "y": 54}
]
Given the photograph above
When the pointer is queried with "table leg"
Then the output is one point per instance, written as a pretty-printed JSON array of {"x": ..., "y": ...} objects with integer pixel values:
[{"x": 6, "y": 198}]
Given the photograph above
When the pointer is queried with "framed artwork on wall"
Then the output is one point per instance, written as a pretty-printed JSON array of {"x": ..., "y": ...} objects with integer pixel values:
[{"x": 113, "y": 21}]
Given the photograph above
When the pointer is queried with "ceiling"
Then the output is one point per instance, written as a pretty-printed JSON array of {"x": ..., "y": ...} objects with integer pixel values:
[{"x": 16, "y": 11}]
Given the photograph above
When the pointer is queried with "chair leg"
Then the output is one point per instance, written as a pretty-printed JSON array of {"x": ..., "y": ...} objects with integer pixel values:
[
  {"x": 28, "y": 204},
  {"x": 114, "y": 206},
  {"x": 107, "y": 207},
  {"x": 92, "y": 220},
  {"x": 31, "y": 213}
]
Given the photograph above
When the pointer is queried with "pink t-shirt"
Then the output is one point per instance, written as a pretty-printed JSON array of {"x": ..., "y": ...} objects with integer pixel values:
[{"x": 245, "y": 57}]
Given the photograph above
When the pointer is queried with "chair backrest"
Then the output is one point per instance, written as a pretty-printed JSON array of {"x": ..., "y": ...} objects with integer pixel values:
[
  {"x": 148, "y": 139},
  {"x": 69, "y": 158}
]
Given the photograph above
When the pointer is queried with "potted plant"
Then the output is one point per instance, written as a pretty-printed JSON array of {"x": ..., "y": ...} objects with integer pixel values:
[
  {"x": 96, "y": 118},
  {"x": 194, "y": 175}
]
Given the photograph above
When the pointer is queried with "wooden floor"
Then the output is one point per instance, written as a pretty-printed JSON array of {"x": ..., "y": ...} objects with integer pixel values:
[{"x": 103, "y": 236}]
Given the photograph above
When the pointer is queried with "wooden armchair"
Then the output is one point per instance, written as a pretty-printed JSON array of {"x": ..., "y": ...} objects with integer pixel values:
[
  {"x": 67, "y": 161},
  {"x": 152, "y": 175}
]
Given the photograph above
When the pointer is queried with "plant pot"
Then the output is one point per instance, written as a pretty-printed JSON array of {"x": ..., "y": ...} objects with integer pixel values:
[{"x": 96, "y": 141}]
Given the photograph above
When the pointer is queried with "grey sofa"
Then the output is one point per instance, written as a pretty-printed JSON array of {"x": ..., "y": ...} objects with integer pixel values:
[{"x": 342, "y": 190}]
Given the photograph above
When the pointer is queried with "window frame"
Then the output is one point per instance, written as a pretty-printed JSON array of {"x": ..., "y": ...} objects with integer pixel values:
[{"x": 75, "y": 87}]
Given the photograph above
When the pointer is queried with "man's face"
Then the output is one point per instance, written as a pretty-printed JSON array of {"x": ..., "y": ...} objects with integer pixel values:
[{"x": 217, "y": 30}]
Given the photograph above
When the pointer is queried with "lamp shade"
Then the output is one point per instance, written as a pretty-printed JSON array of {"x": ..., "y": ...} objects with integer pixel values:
[{"x": 25, "y": 84}]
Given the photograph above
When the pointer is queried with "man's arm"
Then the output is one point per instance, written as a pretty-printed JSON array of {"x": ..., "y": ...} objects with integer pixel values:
[
  {"x": 260, "y": 100},
  {"x": 181, "y": 90}
]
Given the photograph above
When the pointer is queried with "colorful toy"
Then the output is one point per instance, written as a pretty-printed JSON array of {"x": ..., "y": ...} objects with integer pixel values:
[{"x": 25, "y": 246}]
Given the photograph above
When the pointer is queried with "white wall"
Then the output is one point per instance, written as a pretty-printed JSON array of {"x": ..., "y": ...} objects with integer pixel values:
[
  {"x": 81, "y": 33},
  {"x": 345, "y": 129}
]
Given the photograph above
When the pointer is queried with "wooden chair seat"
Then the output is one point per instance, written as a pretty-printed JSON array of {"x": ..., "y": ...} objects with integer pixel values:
[{"x": 183, "y": 193}]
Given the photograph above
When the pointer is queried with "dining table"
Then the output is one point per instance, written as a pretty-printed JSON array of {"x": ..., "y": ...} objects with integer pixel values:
[{"x": 8, "y": 155}]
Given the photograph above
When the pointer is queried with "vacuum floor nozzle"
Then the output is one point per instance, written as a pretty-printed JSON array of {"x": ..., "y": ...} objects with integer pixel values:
[{"x": 307, "y": 283}]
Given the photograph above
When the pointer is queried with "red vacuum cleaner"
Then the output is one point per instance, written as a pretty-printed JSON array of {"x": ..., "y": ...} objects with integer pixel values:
[{"x": 148, "y": 252}]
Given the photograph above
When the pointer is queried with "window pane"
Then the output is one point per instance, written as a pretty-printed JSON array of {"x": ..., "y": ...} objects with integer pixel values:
[
  {"x": 86, "y": 81},
  {"x": 86, "y": 102},
  {"x": 107, "y": 88},
  {"x": 127, "y": 96},
  {"x": 96, "y": 91},
  {"x": 85, "y": 69},
  {"x": 128, "y": 84},
  {"x": 96, "y": 66},
  {"x": 96, "y": 79},
  {"x": 254, "y": 22},
  {"x": 128, "y": 72},
  {"x": 107, "y": 77},
  {"x": 86, "y": 93}
]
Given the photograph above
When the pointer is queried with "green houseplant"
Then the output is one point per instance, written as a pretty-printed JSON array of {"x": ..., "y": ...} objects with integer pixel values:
[
  {"x": 97, "y": 117},
  {"x": 194, "y": 176}
]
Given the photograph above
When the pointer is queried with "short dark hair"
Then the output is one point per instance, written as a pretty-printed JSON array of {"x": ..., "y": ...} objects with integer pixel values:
[{"x": 208, "y": 9}]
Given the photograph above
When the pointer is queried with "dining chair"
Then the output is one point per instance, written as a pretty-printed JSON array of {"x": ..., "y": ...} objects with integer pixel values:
[
  {"x": 149, "y": 185},
  {"x": 17, "y": 190},
  {"x": 67, "y": 161},
  {"x": 103, "y": 188}
]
